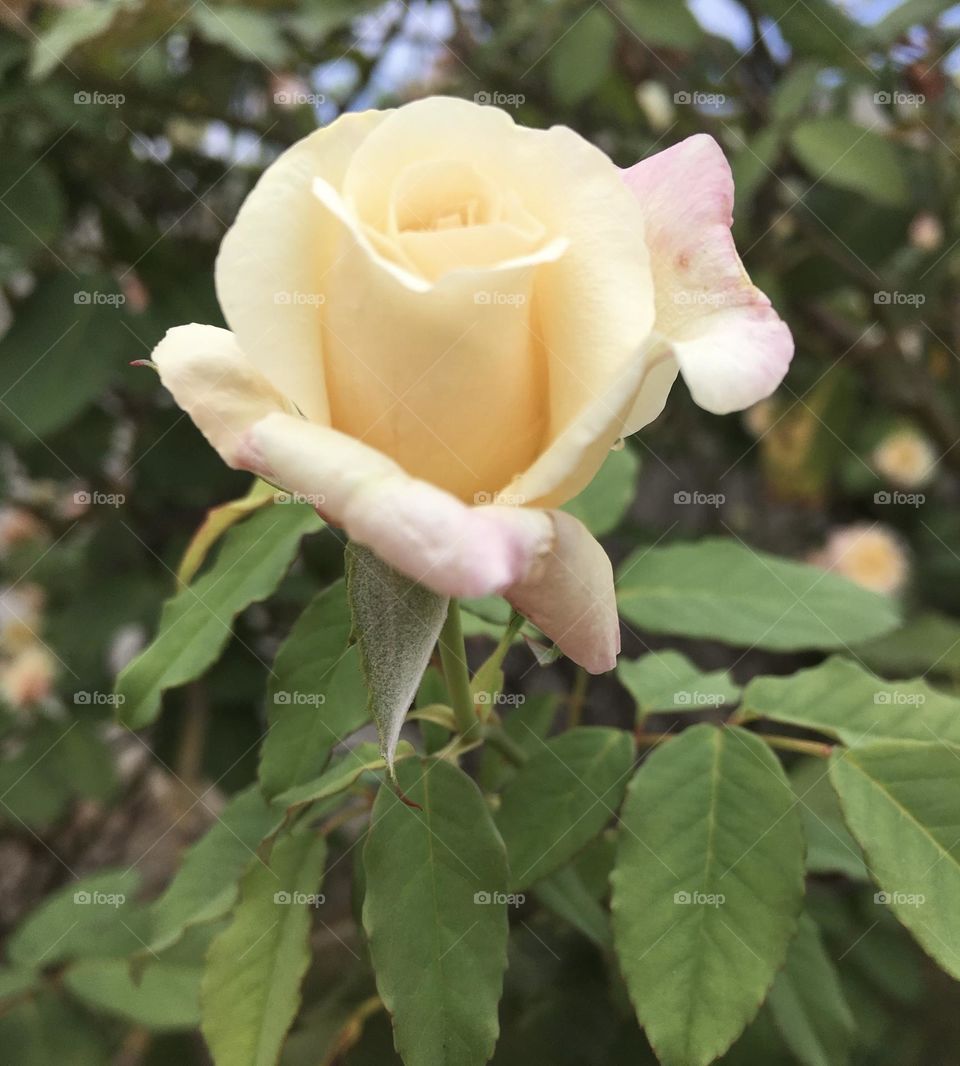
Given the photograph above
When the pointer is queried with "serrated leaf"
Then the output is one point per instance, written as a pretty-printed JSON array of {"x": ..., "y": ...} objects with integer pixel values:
[
  {"x": 604, "y": 502},
  {"x": 668, "y": 681},
  {"x": 250, "y": 992},
  {"x": 841, "y": 699},
  {"x": 707, "y": 888},
  {"x": 901, "y": 801},
  {"x": 196, "y": 622},
  {"x": 435, "y": 915},
  {"x": 808, "y": 1004},
  {"x": 316, "y": 695},
  {"x": 840, "y": 152},
  {"x": 206, "y": 884},
  {"x": 397, "y": 623},
  {"x": 722, "y": 590},
  {"x": 562, "y": 798}
]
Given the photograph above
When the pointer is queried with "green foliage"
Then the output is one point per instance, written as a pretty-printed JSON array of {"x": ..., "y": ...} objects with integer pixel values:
[
  {"x": 723, "y": 590},
  {"x": 195, "y": 625},
  {"x": 668, "y": 681},
  {"x": 706, "y": 890},
  {"x": 435, "y": 914}
]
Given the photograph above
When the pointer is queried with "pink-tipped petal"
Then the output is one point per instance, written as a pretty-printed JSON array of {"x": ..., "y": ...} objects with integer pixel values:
[
  {"x": 731, "y": 346},
  {"x": 570, "y": 596},
  {"x": 418, "y": 529}
]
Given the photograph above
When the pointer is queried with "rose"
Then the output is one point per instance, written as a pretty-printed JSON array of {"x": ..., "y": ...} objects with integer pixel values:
[{"x": 402, "y": 398}]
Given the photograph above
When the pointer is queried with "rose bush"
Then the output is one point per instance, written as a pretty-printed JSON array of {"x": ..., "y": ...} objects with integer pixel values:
[{"x": 441, "y": 322}]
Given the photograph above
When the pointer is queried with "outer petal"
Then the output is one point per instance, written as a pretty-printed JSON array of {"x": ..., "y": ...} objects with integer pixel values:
[
  {"x": 218, "y": 387},
  {"x": 571, "y": 597},
  {"x": 420, "y": 530},
  {"x": 270, "y": 270},
  {"x": 731, "y": 346}
]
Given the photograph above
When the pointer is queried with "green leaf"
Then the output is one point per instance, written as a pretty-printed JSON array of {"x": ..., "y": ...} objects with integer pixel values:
[
  {"x": 722, "y": 590},
  {"x": 94, "y": 917},
  {"x": 527, "y": 726},
  {"x": 819, "y": 29},
  {"x": 48, "y": 1029},
  {"x": 341, "y": 774},
  {"x": 580, "y": 60},
  {"x": 251, "y": 986},
  {"x": 196, "y": 622},
  {"x": 927, "y": 644},
  {"x": 165, "y": 996},
  {"x": 435, "y": 915},
  {"x": 55, "y": 339},
  {"x": 808, "y": 1004},
  {"x": 70, "y": 28},
  {"x": 32, "y": 213},
  {"x": 604, "y": 502},
  {"x": 567, "y": 896},
  {"x": 902, "y": 803},
  {"x": 248, "y": 34},
  {"x": 205, "y": 886},
  {"x": 562, "y": 798},
  {"x": 316, "y": 696},
  {"x": 905, "y": 15},
  {"x": 841, "y": 153},
  {"x": 668, "y": 25},
  {"x": 841, "y": 699},
  {"x": 668, "y": 681},
  {"x": 707, "y": 888},
  {"x": 397, "y": 623},
  {"x": 830, "y": 847}
]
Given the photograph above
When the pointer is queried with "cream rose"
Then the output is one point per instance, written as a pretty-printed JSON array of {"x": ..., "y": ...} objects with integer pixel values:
[{"x": 441, "y": 322}]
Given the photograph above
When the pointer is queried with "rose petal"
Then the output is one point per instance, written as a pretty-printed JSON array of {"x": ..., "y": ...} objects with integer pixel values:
[
  {"x": 730, "y": 344},
  {"x": 218, "y": 387},
  {"x": 271, "y": 266},
  {"x": 570, "y": 596},
  {"x": 420, "y": 530}
]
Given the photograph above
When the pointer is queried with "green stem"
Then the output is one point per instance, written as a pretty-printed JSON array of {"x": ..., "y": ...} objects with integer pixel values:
[{"x": 453, "y": 655}]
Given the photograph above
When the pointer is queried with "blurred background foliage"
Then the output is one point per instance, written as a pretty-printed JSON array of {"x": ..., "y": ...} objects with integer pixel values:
[{"x": 131, "y": 132}]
